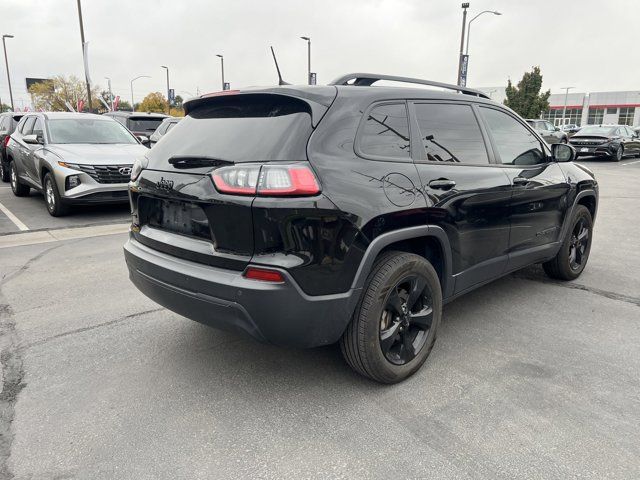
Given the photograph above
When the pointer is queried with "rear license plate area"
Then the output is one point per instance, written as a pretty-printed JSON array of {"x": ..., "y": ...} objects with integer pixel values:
[{"x": 184, "y": 218}]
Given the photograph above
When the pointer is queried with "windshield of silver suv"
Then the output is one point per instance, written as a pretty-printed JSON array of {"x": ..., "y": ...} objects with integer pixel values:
[
  {"x": 86, "y": 130},
  {"x": 144, "y": 124}
]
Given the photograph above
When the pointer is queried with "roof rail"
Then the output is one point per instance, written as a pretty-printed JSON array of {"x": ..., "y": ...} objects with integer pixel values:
[{"x": 367, "y": 79}]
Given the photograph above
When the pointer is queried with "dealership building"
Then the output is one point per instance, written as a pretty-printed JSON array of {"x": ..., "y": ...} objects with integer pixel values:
[{"x": 587, "y": 108}]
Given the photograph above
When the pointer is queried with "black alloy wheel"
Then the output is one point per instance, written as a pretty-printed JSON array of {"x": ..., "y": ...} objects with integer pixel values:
[
  {"x": 572, "y": 257},
  {"x": 394, "y": 327},
  {"x": 406, "y": 320},
  {"x": 4, "y": 172},
  {"x": 578, "y": 244},
  {"x": 619, "y": 153}
]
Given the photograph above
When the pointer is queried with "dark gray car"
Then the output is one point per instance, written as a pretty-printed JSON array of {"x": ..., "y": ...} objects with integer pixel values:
[{"x": 550, "y": 133}]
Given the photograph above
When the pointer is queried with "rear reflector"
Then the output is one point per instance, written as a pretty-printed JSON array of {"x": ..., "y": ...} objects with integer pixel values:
[
  {"x": 267, "y": 180},
  {"x": 264, "y": 275}
]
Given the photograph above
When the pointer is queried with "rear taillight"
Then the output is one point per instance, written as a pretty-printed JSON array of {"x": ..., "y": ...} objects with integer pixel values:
[
  {"x": 266, "y": 180},
  {"x": 6, "y": 141},
  {"x": 264, "y": 275},
  {"x": 240, "y": 180}
]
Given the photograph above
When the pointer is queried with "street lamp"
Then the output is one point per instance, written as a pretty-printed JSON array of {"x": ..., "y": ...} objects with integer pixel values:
[
  {"x": 495, "y": 12},
  {"x": 6, "y": 62},
  {"x": 168, "y": 90},
  {"x": 133, "y": 109},
  {"x": 308, "y": 40},
  {"x": 221, "y": 57},
  {"x": 465, "y": 5},
  {"x": 564, "y": 109},
  {"x": 471, "y": 21},
  {"x": 84, "y": 56},
  {"x": 110, "y": 94}
]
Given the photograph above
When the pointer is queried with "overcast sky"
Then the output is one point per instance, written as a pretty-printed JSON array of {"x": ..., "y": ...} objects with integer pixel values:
[{"x": 589, "y": 44}]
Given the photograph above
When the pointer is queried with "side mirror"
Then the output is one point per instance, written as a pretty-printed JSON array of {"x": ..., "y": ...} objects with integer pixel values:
[
  {"x": 557, "y": 129},
  {"x": 562, "y": 152},
  {"x": 144, "y": 140},
  {"x": 33, "y": 139}
]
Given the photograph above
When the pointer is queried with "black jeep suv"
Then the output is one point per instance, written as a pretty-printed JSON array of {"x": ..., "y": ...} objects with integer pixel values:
[{"x": 308, "y": 215}]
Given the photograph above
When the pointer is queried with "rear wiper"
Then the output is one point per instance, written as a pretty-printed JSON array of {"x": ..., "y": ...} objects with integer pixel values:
[{"x": 197, "y": 162}]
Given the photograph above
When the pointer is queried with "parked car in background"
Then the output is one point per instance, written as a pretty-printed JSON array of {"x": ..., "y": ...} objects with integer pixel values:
[
  {"x": 571, "y": 129},
  {"x": 140, "y": 124},
  {"x": 613, "y": 141},
  {"x": 72, "y": 158},
  {"x": 166, "y": 125},
  {"x": 309, "y": 215},
  {"x": 8, "y": 123},
  {"x": 548, "y": 131}
]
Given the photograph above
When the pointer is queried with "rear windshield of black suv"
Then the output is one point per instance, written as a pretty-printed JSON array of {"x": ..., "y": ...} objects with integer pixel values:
[{"x": 241, "y": 128}]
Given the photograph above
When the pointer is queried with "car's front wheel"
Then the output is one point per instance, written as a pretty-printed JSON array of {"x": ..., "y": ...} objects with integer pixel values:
[
  {"x": 394, "y": 327},
  {"x": 18, "y": 189},
  {"x": 570, "y": 261},
  {"x": 619, "y": 154},
  {"x": 55, "y": 207}
]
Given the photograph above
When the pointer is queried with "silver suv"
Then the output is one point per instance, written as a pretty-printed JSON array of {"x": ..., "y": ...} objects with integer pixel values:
[{"x": 72, "y": 158}]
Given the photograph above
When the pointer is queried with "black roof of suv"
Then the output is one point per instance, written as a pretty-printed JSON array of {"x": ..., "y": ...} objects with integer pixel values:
[{"x": 308, "y": 215}]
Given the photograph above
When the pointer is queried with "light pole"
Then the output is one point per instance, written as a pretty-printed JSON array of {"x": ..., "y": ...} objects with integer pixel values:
[
  {"x": 495, "y": 12},
  {"x": 86, "y": 73},
  {"x": 168, "y": 90},
  {"x": 221, "y": 57},
  {"x": 464, "y": 28},
  {"x": 6, "y": 62},
  {"x": 564, "y": 109},
  {"x": 308, "y": 40},
  {"x": 133, "y": 109},
  {"x": 110, "y": 94}
]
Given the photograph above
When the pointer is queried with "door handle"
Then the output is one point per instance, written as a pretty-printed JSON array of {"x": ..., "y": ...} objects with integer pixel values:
[
  {"x": 520, "y": 181},
  {"x": 442, "y": 184}
]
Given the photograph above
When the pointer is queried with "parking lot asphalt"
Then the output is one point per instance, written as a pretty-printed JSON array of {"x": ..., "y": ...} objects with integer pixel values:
[{"x": 529, "y": 378}]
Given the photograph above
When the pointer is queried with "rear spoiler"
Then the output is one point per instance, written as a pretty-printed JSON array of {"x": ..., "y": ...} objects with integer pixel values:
[{"x": 319, "y": 99}]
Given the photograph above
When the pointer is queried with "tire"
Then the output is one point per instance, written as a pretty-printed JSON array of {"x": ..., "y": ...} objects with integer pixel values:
[
  {"x": 18, "y": 189},
  {"x": 619, "y": 154},
  {"x": 4, "y": 171},
  {"x": 572, "y": 258},
  {"x": 394, "y": 326},
  {"x": 52, "y": 198}
]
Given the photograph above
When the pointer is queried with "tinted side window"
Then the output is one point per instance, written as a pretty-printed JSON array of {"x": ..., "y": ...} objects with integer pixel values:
[
  {"x": 450, "y": 133},
  {"x": 515, "y": 144},
  {"x": 386, "y": 132},
  {"x": 28, "y": 126}
]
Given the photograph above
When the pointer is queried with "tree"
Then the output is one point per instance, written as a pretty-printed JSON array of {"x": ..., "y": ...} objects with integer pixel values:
[
  {"x": 4, "y": 107},
  {"x": 526, "y": 99},
  {"x": 177, "y": 102},
  {"x": 53, "y": 95},
  {"x": 154, "y": 102},
  {"x": 124, "y": 105}
]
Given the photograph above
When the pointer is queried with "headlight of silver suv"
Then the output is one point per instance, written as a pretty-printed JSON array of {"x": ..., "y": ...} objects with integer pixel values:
[{"x": 139, "y": 165}]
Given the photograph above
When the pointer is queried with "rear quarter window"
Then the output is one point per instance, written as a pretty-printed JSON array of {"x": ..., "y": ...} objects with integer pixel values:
[{"x": 385, "y": 133}]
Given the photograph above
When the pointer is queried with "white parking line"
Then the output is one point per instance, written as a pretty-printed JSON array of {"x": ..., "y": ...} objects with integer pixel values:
[
  {"x": 631, "y": 163},
  {"x": 13, "y": 218}
]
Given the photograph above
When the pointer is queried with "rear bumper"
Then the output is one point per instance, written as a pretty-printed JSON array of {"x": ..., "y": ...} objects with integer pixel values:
[
  {"x": 281, "y": 314},
  {"x": 582, "y": 151}
]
